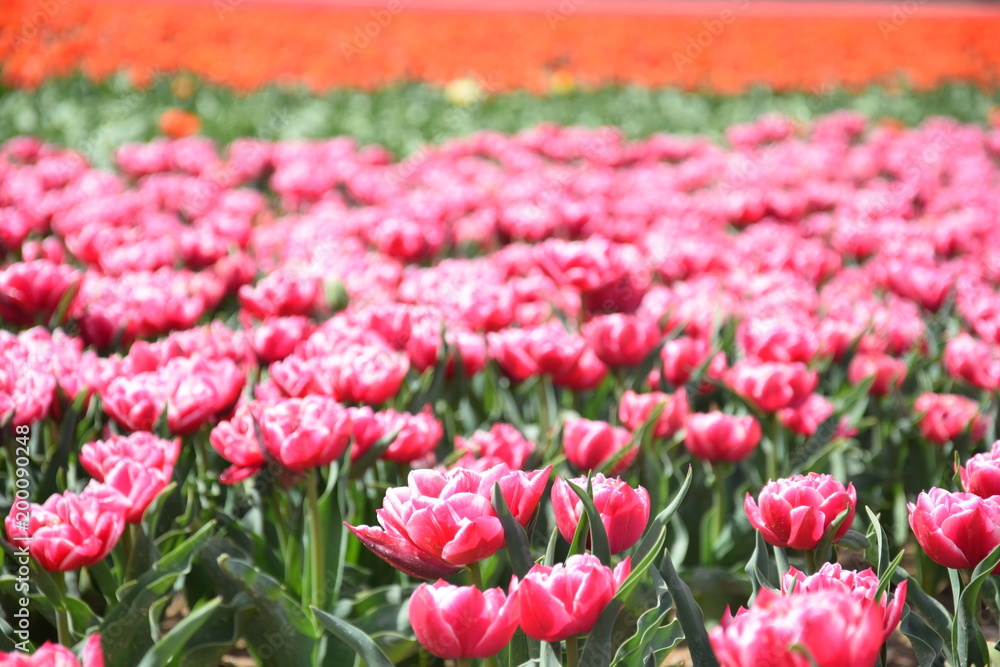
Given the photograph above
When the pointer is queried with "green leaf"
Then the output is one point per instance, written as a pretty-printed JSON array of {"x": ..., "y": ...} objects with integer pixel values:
[
  {"x": 926, "y": 643},
  {"x": 550, "y": 549},
  {"x": 689, "y": 614},
  {"x": 175, "y": 640},
  {"x": 599, "y": 649},
  {"x": 366, "y": 648},
  {"x": 372, "y": 454},
  {"x": 969, "y": 644},
  {"x": 759, "y": 568},
  {"x": 518, "y": 548},
  {"x": 826, "y": 542},
  {"x": 650, "y": 631},
  {"x": 855, "y": 541},
  {"x": 599, "y": 545}
]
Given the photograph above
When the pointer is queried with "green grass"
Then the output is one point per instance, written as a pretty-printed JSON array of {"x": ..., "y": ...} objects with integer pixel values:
[{"x": 97, "y": 116}]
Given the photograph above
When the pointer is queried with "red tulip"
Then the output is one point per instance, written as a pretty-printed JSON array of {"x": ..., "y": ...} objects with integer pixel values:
[
  {"x": 806, "y": 417},
  {"x": 795, "y": 512},
  {"x": 368, "y": 373},
  {"x": 634, "y": 409},
  {"x": 304, "y": 433},
  {"x": 888, "y": 372},
  {"x": 48, "y": 655},
  {"x": 944, "y": 417},
  {"x": 93, "y": 652},
  {"x": 778, "y": 340},
  {"x": 559, "y": 602},
  {"x": 236, "y": 441},
  {"x": 68, "y": 531},
  {"x": 587, "y": 374},
  {"x": 624, "y": 511},
  {"x": 454, "y": 622},
  {"x": 281, "y": 295},
  {"x": 956, "y": 530},
  {"x": 827, "y": 628},
  {"x": 862, "y": 585},
  {"x": 424, "y": 347},
  {"x": 275, "y": 338},
  {"x": 501, "y": 444},
  {"x": 684, "y": 355},
  {"x": 622, "y": 340},
  {"x": 588, "y": 444},
  {"x": 417, "y": 435},
  {"x": 981, "y": 473},
  {"x": 770, "y": 385},
  {"x": 524, "y": 353},
  {"x": 31, "y": 292},
  {"x": 444, "y": 520},
  {"x": 715, "y": 436}
]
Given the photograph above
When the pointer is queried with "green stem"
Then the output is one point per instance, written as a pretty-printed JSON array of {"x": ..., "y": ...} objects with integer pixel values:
[
  {"x": 810, "y": 561},
  {"x": 543, "y": 409},
  {"x": 718, "y": 503},
  {"x": 465, "y": 662},
  {"x": 491, "y": 661},
  {"x": 572, "y": 651},
  {"x": 280, "y": 520},
  {"x": 62, "y": 614},
  {"x": 475, "y": 575},
  {"x": 315, "y": 538},
  {"x": 770, "y": 446},
  {"x": 780, "y": 561}
]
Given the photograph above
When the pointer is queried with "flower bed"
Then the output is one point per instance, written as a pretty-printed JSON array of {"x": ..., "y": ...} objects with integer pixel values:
[
  {"x": 723, "y": 46},
  {"x": 285, "y": 381}
]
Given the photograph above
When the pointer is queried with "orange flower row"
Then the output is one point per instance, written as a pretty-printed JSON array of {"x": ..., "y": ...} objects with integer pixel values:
[{"x": 726, "y": 46}]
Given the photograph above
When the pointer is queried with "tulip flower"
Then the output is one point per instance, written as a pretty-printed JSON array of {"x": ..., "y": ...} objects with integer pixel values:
[
  {"x": 715, "y": 436},
  {"x": 981, "y": 473},
  {"x": 441, "y": 521},
  {"x": 825, "y": 628},
  {"x": 138, "y": 466},
  {"x": 68, "y": 531},
  {"x": 275, "y": 338},
  {"x": 944, "y": 417},
  {"x": 501, "y": 444},
  {"x": 424, "y": 346},
  {"x": 635, "y": 409},
  {"x": 624, "y": 510},
  {"x": 417, "y": 435},
  {"x": 622, "y": 340},
  {"x": 684, "y": 355},
  {"x": 972, "y": 360},
  {"x": 588, "y": 444},
  {"x": 55, "y": 655},
  {"x": 455, "y": 622},
  {"x": 524, "y": 353},
  {"x": 795, "y": 512},
  {"x": 236, "y": 441},
  {"x": 586, "y": 375},
  {"x": 304, "y": 433},
  {"x": 559, "y": 602},
  {"x": 956, "y": 530},
  {"x": 772, "y": 385},
  {"x": 31, "y": 292},
  {"x": 862, "y": 585}
]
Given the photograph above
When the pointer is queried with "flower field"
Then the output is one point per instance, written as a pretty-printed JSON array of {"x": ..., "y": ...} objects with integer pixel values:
[{"x": 487, "y": 362}]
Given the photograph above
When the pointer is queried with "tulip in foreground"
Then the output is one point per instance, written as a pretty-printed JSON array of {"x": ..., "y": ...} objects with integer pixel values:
[
  {"x": 795, "y": 512},
  {"x": 455, "y": 622},
  {"x": 956, "y": 530},
  {"x": 624, "y": 511},
  {"x": 55, "y": 655},
  {"x": 442, "y": 521},
  {"x": 826, "y": 628},
  {"x": 981, "y": 473},
  {"x": 862, "y": 585},
  {"x": 562, "y": 601}
]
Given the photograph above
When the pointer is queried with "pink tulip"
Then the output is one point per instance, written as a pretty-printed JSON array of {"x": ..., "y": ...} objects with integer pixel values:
[
  {"x": 622, "y": 340},
  {"x": 956, "y": 530},
  {"x": 68, "y": 531},
  {"x": 981, "y": 473},
  {"x": 862, "y": 585},
  {"x": 524, "y": 353},
  {"x": 275, "y": 338},
  {"x": 771, "y": 385},
  {"x": 417, "y": 435},
  {"x": 138, "y": 466},
  {"x": 444, "y": 520},
  {"x": 684, "y": 355},
  {"x": 719, "y": 437},
  {"x": 944, "y": 417},
  {"x": 501, "y": 444},
  {"x": 48, "y": 655},
  {"x": 587, "y": 374},
  {"x": 588, "y": 444},
  {"x": 889, "y": 372},
  {"x": 635, "y": 409},
  {"x": 31, "y": 292},
  {"x": 624, "y": 510},
  {"x": 454, "y": 622},
  {"x": 559, "y": 602},
  {"x": 236, "y": 441},
  {"x": 972, "y": 360},
  {"x": 827, "y": 628},
  {"x": 304, "y": 433},
  {"x": 795, "y": 512}
]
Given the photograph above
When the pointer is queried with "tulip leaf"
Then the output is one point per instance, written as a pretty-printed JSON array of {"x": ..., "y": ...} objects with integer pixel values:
[
  {"x": 175, "y": 641},
  {"x": 880, "y": 559},
  {"x": 67, "y": 442},
  {"x": 968, "y": 642},
  {"x": 599, "y": 648},
  {"x": 855, "y": 541},
  {"x": 579, "y": 543},
  {"x": 886, "y": 579},
  {"x": 366, "y": 648},
  {"x": 550, "y": 549},
  {"x": 759, "y": 568},
  {"x": 932, "y": 611},
  {"x": 826, "y": 542},
  {"x": 689, "y": 615},
  {"x": 518, "y": 548},
  {"x": 599, "y": 545},
  {"x": 926, "y": 643},
  {"x": 650, "y": 631},
  {"x": 652, "y": 543},
  {"x": 372, "y": 454}
]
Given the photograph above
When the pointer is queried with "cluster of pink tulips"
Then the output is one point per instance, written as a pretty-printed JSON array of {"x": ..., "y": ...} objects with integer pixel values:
[{"x": 238, "y": 368}]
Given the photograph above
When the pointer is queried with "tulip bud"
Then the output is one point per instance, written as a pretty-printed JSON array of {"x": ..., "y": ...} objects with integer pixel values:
[{"x": 624, "y": 511}]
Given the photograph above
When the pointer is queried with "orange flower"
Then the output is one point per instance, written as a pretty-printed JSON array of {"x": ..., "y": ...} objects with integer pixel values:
[{"x": 177, "y": 123}]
